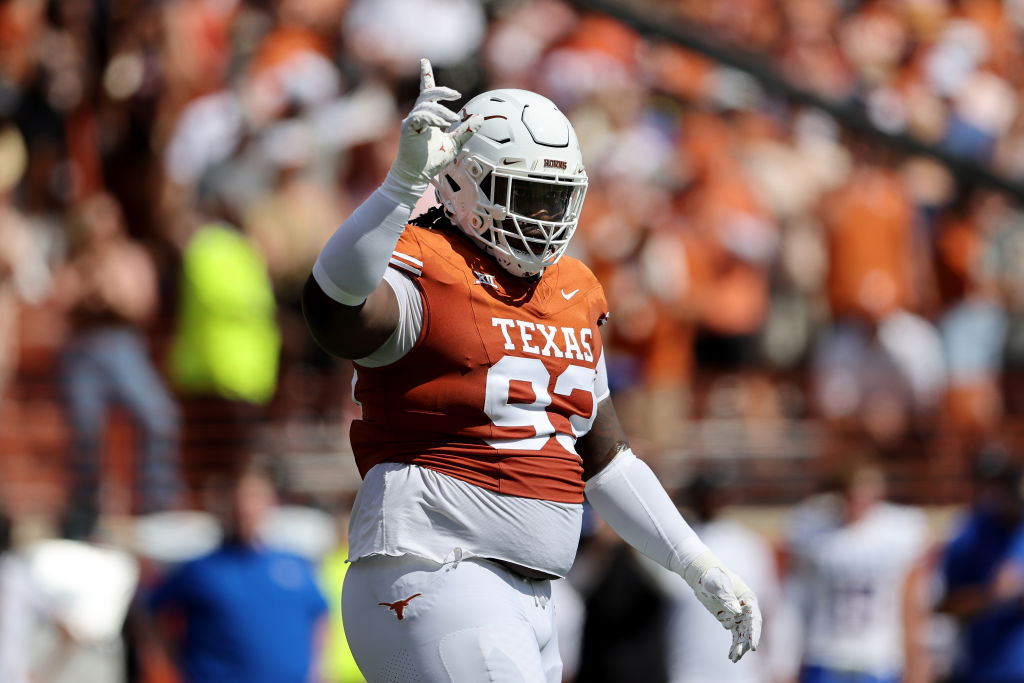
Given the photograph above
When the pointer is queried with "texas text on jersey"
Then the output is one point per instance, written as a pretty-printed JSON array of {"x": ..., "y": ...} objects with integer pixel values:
[{"x": 498, "y": 403}]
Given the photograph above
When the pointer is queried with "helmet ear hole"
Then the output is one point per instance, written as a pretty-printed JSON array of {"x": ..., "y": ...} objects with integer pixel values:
[{"x": 451, "y": 183}]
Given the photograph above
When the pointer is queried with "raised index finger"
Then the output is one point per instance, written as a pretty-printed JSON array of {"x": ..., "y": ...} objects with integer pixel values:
[{"x": 426, "y": 75}]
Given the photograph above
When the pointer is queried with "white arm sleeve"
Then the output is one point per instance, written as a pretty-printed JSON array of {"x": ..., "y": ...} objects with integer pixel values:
[
  {"x": 353, "y": 261},
  {"x": 628, "y": 495},
  {"x": 633, "y": 502}
]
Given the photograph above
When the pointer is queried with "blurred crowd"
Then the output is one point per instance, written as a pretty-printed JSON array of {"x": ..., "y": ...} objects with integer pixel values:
[
  {"x": 764, "y": 265},
  {"x": 169, "y": 172}
]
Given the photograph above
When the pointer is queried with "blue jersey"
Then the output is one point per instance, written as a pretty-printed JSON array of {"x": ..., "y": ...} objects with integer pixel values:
[
  {"x": 250, "y": 614},
  {"x": 995, "y": 638}
]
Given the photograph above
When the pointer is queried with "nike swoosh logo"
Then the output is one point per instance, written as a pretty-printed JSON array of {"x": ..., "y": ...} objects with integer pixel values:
[{"x": 569, "y": 295}]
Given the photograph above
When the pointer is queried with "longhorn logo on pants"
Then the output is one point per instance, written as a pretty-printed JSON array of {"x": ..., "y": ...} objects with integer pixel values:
[{"x": 399, "y": 607}]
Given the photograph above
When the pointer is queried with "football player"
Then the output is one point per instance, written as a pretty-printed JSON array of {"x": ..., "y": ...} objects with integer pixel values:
[
  {"x": 485, "y": 410},
  {"x": 858, "y": 577}
]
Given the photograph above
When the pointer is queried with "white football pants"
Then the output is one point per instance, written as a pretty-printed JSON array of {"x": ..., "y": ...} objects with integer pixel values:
[{"x": 408, "y": 619}]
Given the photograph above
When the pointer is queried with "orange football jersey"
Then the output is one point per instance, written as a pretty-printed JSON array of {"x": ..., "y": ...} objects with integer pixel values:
[{"x": 501, "y": 380}]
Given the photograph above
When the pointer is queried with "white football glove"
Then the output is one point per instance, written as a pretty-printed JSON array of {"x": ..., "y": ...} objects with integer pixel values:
[
  {"x": 427, "y": 145},
  {"x": 729, "y": 599}
]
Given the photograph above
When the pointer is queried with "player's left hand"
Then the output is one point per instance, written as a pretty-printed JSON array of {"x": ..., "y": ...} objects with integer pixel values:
[
  {"x": 729, "y": 600},
  {"x": 746, "y": 626}
]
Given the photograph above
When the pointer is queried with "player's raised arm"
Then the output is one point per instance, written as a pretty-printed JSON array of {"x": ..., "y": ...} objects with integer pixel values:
[
  {"x": 629, "y": 497},
  {"x": 348, "y": 308}
]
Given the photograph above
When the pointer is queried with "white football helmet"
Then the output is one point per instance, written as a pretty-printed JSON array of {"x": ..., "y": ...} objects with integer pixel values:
[{"x": 517, "y": 185}]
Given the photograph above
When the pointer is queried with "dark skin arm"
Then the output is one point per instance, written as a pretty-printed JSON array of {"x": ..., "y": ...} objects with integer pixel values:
[
  {"x": 350, "y": 331},
  {"x": 966, "y": 602},
  {"x": 603, "y": 442}
]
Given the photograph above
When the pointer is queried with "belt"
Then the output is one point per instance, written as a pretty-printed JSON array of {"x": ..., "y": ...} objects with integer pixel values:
[{"x": 523, "y": 572}]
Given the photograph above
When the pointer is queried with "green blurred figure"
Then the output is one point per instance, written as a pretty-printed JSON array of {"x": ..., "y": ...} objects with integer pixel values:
[
  {"x": 223, "y": 358},
  {"x": 338, "y": 664}
]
